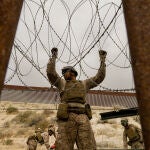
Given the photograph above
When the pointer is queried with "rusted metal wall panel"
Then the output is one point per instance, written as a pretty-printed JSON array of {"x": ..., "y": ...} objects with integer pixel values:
[
  {"x": 43, "y": 95},
  {"x": 137, "y": 17},
  {"x": 9, "y": 16}
]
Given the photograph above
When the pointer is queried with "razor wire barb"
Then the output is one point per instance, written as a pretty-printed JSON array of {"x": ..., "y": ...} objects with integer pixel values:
[{"x": 78, "y": 28}]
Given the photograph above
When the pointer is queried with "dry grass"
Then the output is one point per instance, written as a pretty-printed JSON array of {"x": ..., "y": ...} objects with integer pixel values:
[
  {"x": 12, "y": 110},
  {"x": 17, "y": 126}
]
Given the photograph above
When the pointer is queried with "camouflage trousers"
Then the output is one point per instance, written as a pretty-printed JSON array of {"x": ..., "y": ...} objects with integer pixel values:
[
  {"x": 137, "y": 145},
  {"x": 76, "y": 130},
  {"x": 32, "y": 145}
]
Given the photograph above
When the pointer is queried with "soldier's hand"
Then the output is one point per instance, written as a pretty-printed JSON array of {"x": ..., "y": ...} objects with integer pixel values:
[
  {"x": 54, "y": 52},
  {"x": 52, "y": 147},
  {"x": 102, "y": 55}
]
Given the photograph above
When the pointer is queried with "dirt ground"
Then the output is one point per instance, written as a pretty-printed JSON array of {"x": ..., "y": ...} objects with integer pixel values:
[{"x": 13, "y": 136}]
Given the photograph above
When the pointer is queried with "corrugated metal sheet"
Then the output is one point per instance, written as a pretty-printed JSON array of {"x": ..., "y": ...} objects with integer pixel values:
[{"x": 47, "y": 96}]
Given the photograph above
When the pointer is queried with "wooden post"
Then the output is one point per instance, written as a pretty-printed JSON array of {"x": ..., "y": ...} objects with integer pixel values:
[
  {"x": 9, "y": 16},
  {"x": 137, "y": 18}
]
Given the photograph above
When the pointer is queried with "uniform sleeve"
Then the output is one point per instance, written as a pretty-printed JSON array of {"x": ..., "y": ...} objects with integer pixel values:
[
  {"x": 28, "y": 139},
  {"x": 139, "y": 131},
  {"x": 32, "y": 137},
  {"x": 125, "y": 145},
  {"x": 46, "y": 140},
  {"x": 54, "y": 132},
  {"x": 97, "y": 79},
  {"x": 52, "y": 75}
]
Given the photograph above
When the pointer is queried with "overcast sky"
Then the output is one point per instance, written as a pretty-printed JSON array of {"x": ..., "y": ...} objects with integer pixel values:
[{"x": 78, "y": 29}]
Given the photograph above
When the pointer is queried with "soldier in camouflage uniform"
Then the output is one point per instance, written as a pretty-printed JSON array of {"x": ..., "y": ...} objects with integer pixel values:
[
  {"x": 134, "y": 134},
  {"x": 40, "y": 137},
  {"x": 73, "y": 113}
]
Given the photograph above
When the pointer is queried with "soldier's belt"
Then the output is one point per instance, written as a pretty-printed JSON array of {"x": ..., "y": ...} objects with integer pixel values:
[
  {"x": 76, "y": 110},
  {"x": 137, "y": 138},
  {"x": 79, "y": 105},
  {"x": 75, "y": 100},
  {"x": 64, "y": 109},
  {"x": 85, "y": 109}
]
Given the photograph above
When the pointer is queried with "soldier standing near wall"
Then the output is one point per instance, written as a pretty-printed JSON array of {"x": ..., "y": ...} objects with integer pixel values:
[
  {"x": 134, "y": 134},
  {"x": 73, "y": 113}
]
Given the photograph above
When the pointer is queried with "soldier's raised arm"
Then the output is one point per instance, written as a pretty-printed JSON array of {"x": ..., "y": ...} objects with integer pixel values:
[
  {"x": 52, "y": 75},
  {"x": 99, "y": 77}
]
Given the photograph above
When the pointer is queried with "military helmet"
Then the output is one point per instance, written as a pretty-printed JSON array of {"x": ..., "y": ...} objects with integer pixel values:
[
  {"x": 124, "y": 121},
  {"x": 38, "y": 130},
  {"x": 70, "y": 68},
  {"x": 51, "y": 127}
]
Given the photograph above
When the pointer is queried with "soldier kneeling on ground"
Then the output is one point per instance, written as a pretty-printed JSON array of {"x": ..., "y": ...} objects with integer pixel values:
[
  {"x": 41, "y": 137},
  {"x": 134, "y": 134}
]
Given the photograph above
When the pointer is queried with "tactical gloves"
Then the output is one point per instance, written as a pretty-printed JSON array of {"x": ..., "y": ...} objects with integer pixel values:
[
  {"x": 52, "y": 147},
  {"x": 102, "y": 55},
  {"x": 54, "y": 52}
]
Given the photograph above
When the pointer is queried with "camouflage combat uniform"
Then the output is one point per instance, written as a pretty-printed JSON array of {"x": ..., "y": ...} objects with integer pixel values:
[
  {"x": 44, "y": 139},
  {"x": 32, "y": 143},
  {"x": 134, "y": 135},
  {"x": 77, "y": 128}
]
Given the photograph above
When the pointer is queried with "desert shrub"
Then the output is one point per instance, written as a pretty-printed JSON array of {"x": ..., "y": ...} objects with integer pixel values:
[
  {"x": 8, "y": 142},
  {"x": 23, "y": 117},
  {"x": 4, "y": 135},
  {"x": 6, "y": 124},
  {"x": 11, "y": 110},
  {"x": 43, "y": 124},
  {"x": 1, "y": 135},
  {"x": 30, "y": 119},
  {"x": 21, "y": 132},
  {"x": 34, "y": 119},
  {"x": 38, "y": 120},
  {"x": 48, "y": 112}
]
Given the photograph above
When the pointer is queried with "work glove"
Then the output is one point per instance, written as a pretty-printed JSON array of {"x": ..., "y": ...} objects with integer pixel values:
[
  {"x": 54, "y": 52},
  {"x": 102, "y": 55},
  {"x": 52, "y": 147}
]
